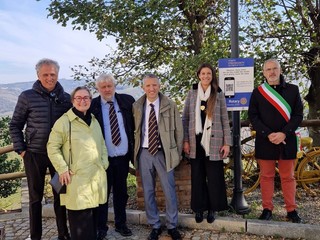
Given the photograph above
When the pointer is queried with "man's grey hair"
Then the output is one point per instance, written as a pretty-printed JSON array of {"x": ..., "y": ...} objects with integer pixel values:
[
  {"x": 271, "y": 60},
  {"x": 150, "y": 75},
  {"x": 105, "y": 77},
  {"x": 47, "y": 61}
]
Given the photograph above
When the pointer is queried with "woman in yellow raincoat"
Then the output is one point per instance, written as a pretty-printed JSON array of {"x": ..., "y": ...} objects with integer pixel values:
[{"x": 83, "y": 172}]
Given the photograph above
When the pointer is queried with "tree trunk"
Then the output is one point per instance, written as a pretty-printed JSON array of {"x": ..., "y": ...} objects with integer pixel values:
[{"x": 312, "y": 58}]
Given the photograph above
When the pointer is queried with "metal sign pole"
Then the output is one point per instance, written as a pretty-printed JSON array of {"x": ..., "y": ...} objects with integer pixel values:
[{"x": 238, "y": 202}]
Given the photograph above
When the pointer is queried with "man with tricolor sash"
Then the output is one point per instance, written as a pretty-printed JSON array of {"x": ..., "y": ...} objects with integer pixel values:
[{"x": 275, "y": 112}]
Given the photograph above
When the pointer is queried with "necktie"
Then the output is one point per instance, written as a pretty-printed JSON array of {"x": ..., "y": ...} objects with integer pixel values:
[
  {"x": 115, "y": 132},
  {"x": 153, "y": 132}
]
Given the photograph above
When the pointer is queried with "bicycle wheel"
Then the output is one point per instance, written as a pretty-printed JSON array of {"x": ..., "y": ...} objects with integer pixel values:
[
  {"x": 309, "y": 172},
  {"x": 250, "y": 173},
  {"x": 247, "y": 140},
  {"x": 250, "y": 167}
]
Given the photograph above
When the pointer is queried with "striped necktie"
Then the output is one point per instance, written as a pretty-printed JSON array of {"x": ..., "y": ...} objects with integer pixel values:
[
  {"x": 153, "y": 132},
  {"x": 115, "y": 132}
]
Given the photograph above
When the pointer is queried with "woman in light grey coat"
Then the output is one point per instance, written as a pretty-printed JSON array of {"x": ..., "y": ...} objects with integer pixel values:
[{"x": 207, "y": 141}]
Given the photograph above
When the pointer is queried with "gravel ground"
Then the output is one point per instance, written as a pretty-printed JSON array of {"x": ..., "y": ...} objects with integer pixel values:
[
  {"x": 308, "y": 206},
  {"x": 308, "y": 209}
]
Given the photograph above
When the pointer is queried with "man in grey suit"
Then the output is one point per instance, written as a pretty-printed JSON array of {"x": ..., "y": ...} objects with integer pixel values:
[{"x": 157, "y": 151}]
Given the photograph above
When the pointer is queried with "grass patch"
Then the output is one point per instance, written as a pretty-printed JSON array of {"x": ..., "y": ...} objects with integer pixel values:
[
  {"x": 11, "y": 203},
  {"x": 132, "y": 186}
]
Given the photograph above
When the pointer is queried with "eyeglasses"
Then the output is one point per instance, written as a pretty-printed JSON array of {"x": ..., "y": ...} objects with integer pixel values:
[{"x": 85, "y": 99}]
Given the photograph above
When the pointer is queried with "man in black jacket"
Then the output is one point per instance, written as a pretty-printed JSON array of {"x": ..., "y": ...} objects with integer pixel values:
[
  {"x": 38, "y": 108},
  {"x": 114, "y": 113},
  {"x": 275, "y": 112}
]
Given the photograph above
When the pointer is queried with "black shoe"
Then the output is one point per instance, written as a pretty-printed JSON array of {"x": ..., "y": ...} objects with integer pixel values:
[
  {"x": 101, "y": 235},
  {"x": 154, "y": 234},
  {"x": 124, "y": 231},
  {"x": 199, "y": 217},
  {"x": 66, "y": 237},
  {"x": 266, "y": 214},
  {"x": 174, "y": 233},
  {"x": 210, "y": 216},
  {"x": 293, "y": 217}
]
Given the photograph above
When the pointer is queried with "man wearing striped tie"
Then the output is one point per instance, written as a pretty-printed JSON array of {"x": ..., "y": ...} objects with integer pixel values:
[
  {"x": 114, "y": 113},
  {"x": 157, "y": 151},
  {"x": 275, "y": 111}
]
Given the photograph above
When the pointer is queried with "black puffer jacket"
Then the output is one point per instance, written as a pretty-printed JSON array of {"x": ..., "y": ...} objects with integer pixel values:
[{"x": 38, "y": 110}]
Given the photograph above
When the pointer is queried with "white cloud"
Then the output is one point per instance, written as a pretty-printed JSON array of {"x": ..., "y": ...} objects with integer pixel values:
[{"x": 27, "y": 35}]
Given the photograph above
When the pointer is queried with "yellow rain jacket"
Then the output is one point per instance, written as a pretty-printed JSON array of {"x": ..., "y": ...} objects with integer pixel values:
[{"x": 88, "y": 187}]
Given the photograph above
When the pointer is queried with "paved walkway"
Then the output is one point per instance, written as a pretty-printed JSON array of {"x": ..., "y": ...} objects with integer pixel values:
[{"x": 16, "y": 227}]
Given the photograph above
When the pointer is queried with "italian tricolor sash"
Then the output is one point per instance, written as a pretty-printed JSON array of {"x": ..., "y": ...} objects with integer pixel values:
[
  {"x": 279, "y": 103},
  {"x": 276, "y": 100}
]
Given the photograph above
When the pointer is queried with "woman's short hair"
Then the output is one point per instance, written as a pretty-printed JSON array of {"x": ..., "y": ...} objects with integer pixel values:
[{"x": 78, "y": 89}]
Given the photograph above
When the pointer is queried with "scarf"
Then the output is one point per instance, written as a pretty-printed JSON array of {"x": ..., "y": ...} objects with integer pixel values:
[{"x": 205, "y": 140}]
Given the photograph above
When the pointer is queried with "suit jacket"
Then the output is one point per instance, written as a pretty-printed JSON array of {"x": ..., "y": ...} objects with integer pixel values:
[
  {"x": 125, "y": 102},
  {"x": 265, "y": 119},
  {"x": 170, "y": 130}
]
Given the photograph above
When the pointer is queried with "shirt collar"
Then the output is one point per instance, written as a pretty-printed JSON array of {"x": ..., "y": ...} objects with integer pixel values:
[
  {"x": 103, "y": 101},
  {"x": 156, "y": 102}
]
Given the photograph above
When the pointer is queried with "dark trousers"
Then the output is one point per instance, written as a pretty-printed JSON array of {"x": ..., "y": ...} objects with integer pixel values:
[
  {"x": 83, "y": 223},
  {"x": 117, "y": 174},
  {"x": 36, "y": 166},
  {"x": 208, "y": 188}
]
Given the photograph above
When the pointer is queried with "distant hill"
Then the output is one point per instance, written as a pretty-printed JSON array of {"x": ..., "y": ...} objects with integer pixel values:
[{"x": 9, "y": 93}]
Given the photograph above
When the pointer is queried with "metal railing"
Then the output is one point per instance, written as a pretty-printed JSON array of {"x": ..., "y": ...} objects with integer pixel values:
[{"x": 15, "y": 175}]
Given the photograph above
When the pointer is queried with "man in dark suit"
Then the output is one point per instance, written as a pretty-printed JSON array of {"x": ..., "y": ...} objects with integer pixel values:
[
  {"x": 276, "y": 111},
  {"x": 114, "y": 113}
]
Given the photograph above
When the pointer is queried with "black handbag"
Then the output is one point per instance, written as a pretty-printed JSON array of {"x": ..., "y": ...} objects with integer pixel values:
[{"x": 54, "y": 182}]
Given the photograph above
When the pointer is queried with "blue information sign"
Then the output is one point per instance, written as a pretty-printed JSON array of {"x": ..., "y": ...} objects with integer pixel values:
[{"x": 236, "y": 76}]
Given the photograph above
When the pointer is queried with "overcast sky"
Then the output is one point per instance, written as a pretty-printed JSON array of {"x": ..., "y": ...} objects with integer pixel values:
[{"x": 27, "y": 35}]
